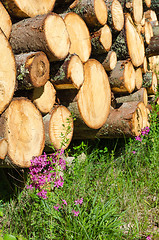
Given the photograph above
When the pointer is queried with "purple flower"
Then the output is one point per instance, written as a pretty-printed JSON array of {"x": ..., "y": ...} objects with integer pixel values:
[
  {"x": 30, "y": 187},
  {"x": 138, "y": 138},
  {"x": 149, "y": 238},
  {"x": 75, "y": 213},
  {"x": 133, "y": 152},
  {"x": 42, "y": 194},
  {"x": 79, "y": 201},
  {"x": 64, "y": 202},
  {"x": 57, "y": 207}
]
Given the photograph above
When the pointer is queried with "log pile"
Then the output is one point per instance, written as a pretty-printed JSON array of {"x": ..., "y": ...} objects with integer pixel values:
[{"x": 96, "y": 60}]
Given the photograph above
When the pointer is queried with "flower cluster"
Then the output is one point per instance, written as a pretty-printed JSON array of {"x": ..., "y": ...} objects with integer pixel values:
[
  {"x": 45, "y": 170},
  {"x": 75, "y": 213},
  {"x": 144, "y": 132}
]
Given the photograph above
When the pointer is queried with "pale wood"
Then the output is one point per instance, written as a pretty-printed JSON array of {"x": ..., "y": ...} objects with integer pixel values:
[
  {"x": 148, "y": 33},
  {"x": 125, "y": 121},
  {"x": 93, "y": 12},
  {"x": 22, "y": 127},
  {"x": 29, "y": 8},
  {"x": 5, "y": 21},
  {"x": 3, "y": 148},
  {"x": 144, "y": 65},
  {"x": 150, "y": 15},
  {"x": 79, "y": 36},
  {"x": 136, "y": 7},
  {"x": 150, "y": 82},
  {"x": 58, "y": 126},
  {"x": 44, "y": 97},
  {"x": 110, "y": 61},
  {"x": 148, "y": 3},
  {"x": 138, "y": 78},
  {"x": 140, "y": 96},
  {"x": 135, "y": 43},
  {"x": 115, "y": 15},
  {"x": 69, "y": 74},
  {"x": 94, "y": 97},
  {"x": 101, "y": 40},
  {"x": 32, "y": 70},
  {"x": 154, "y": 64},
  {"x": 45, "y": 32},
  {"x": 122, "y": 77},
  {"x": 7, "y": 72}
]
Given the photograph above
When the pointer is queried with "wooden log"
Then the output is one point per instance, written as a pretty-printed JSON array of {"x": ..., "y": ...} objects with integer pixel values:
[
  {"x": 153, "y": 47},
  {"x": 148, "y": 33},
  {"x": 126, "y": 121},
  {"x": 138, "y": 78},
  {"x": 151, "y": 15},
  {"x": 129, "y": 43},
  {"x": 144, "y": 65},
  {"x": 62, "y": 6},
  {"x": 58, "y": 127},
  {"x": 22, "y": 127},
  {"x": 7, "y": 72},
  {"x": 69, "y": 74},
  {"x": 154, "y": 7},
  {"x": 147, "y": 3},
  {"x": 3, "y": 148},
  {"x": 150, "y": 82},
  {"x": 135, "y": 42},
  {"x": 5, "y": 21},
  {"x": 115, "y": 15},
  {"x": 122, "y": 77},
  {"x": 32, "y": 70},
  {"x": 93, "y": 12},
  {"x": 44, "y": 97},
  {"x": 110, "y": 61},
  {"x": 79, "y": 36},
  {"x": 101, "y": 40},
  {"x": 31, "y": 8},
  {"x": 94, "y": 97},
  {"x": 136, "y": 7},
  {"x": 46, "y": 33},
  {"x": 140, "y": 96},
  {"x": 153, "y": 63}
]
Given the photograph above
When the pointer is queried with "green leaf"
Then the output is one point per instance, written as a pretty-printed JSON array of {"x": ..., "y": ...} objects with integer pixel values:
[
  {"x": 20, "y": 237},
  {"x": 1, "y": 214},
  {"x": 9, "y": 237}
]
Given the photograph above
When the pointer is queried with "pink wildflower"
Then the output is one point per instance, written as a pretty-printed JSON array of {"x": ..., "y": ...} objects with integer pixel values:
[
  {"x": 64, "y": 202},
  {"x": 149, "y": 238},
  {"x": 75, "y": 213},
  {"x": 79, "y": 201}
]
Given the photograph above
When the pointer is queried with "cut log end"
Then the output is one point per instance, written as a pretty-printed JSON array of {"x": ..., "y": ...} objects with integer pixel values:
[
  {"x": 138, "y": 78},
  {"x": 117, "y": 15},
  {"x": 24, "y": 132},
  {"x": 100, "y": 11},
  {"x": 79, "y": 36},
  {"x": 94, "y": 97},
  {"x": 31, "y": 8},
  {"x": 58, "y": 39},
  {"x": 5, "y": 21},
  {"x": 44, "y": 97},
  {"x": 137, "y": 10},
  {"x": 134, "y": 42},
  {"x": 3, "y": 148},
  {"x": 58, "y": 127},
  {"x": 106, "y": 38},
  {"x": 110, "y": 62},
  {"x": 7, "y": 72},
  {"x": 75, "y": 71}
]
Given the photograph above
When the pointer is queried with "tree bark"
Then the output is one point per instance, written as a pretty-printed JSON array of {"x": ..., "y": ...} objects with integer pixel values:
[
  {"x": 140, "y": 96},
  {"x": 122, "y": 77},
  {"x": 3, "y": 148},
  {"x": 29, "y": 8},
  {"x": 22, "y": 127},
  {"x": 93, "y": 12},
  {"x": 32, "y": 70},
  {"x": 69, "y": 74},
  {"x": 79, "y": 36},
  {"x": 153, "y": 47},
  {"x": 5, "y": 21},
  {"x": 94, "y": 97},
  {"x": 150, "y": 82},
  {"x": 58, "y": 127},
  {"x": 126, "y": 121},
  {"x": 7, "y": 72},
  {"x": 44, "y": 97},
  {"x": 46, "y": 33},
  {"x": 101, "y": 40}
]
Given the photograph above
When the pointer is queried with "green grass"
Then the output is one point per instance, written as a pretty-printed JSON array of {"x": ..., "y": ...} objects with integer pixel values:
[{"x": 120, "y": 192}]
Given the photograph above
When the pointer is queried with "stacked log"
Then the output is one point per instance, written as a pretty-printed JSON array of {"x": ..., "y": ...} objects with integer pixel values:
[{"x": 95, "y": 60}]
